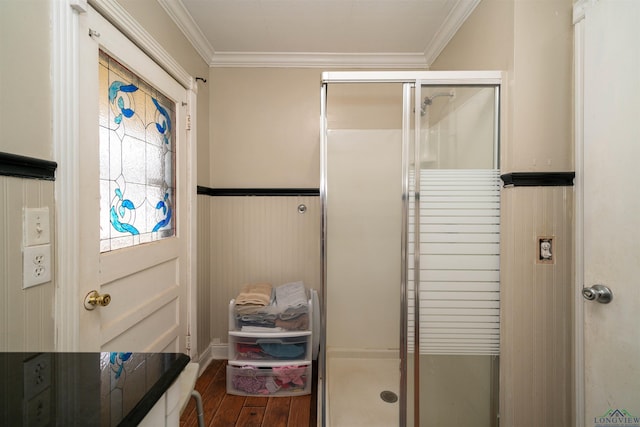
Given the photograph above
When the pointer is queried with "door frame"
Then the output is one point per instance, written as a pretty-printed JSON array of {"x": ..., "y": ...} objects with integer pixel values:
[
  {"x": 578, "y": 112},
  {"x": 65, "y": 71}
]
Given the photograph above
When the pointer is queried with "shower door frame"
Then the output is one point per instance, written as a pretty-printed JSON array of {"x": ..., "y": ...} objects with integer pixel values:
[{"x": 412, "y": 85}]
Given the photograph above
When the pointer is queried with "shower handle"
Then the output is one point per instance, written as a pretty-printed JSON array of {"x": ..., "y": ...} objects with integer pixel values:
[{"x": 598, "y": 293}]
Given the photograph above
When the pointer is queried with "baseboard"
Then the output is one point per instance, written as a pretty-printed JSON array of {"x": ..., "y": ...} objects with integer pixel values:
[
  {"x": 219, "y": 351},
  {"x": 204, "y": 360}
]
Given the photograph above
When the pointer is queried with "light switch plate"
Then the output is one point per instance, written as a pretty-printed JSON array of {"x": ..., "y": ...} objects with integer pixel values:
[{"x": 36, "y": 226}]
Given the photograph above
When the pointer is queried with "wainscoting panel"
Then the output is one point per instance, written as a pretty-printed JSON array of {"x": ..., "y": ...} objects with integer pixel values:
[
  {"x": 260, "y": 239},
  {"x": 204, "y": 274},
  {"x": 536, "y": 307},
  {"x": 27, "y": 322}
]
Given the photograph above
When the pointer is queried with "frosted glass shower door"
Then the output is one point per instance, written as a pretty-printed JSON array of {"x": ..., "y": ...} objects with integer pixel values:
[
  {"x": 363, "y": 260},
  {"x": 455, "y": 230}
]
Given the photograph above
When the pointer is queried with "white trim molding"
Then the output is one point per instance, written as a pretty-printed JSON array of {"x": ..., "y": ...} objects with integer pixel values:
[
  {"x": 315, "y": 60},
  {"x": 449, "y": 28},
  {"x": 192, "y": 206},
  {"x": 579, "y": 9},
  {"x": 183, "y": 19},
  {"x": 113, "y": 12},
  {"x": 219, "y": 351},
  {"x": 578, "y": 111},
  {"x": 64, "y": 72}
]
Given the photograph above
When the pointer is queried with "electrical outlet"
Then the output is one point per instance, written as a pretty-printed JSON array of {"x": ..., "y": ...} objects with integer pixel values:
[
  {"x": 38, "y": 410},
  {"x": 36, "y": 373},
  {"x": 36, "y": 226},
  {"x": 37, "y": 376},
  {"x": 36, "y": 265}
]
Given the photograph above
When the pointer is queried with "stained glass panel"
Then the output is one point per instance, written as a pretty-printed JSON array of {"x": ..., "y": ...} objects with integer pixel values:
[{"x": 137, "y": 159}]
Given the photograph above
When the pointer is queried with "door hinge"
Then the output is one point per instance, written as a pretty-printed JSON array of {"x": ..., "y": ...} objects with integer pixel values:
[
  {"x": 187, "y": 342},
  {"x": 188, "y": 121}
]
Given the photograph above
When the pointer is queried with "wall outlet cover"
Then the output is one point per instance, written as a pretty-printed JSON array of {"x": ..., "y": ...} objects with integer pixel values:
[
  {"x": 546, "y": 250},
  {"x": 36, "y": 265}
]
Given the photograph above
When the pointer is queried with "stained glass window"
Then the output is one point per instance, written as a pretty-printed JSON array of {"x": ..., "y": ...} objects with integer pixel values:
[{"x": 137, "y": 158}]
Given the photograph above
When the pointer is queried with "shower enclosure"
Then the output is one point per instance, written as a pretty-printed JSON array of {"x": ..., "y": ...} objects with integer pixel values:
[{"x": 410, "y": 191}]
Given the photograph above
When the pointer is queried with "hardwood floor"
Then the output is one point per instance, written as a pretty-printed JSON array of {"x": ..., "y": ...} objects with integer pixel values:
[{"x": 226, "y": 410}]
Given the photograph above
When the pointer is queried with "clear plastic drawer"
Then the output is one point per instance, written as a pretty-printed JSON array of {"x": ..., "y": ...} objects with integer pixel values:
[
  {"x": 286, "y": 380},
  {"x": 270, "y": 348}
]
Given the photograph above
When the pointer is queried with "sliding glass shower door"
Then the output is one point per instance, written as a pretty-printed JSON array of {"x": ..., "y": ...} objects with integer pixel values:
[
  {"x": 410, "y": 193},
  {"x": 454, "y": 247}
]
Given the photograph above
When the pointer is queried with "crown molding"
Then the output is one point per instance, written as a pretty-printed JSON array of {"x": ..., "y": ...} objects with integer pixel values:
[
  {"x": 118, "y": 16},
  {"x": 185, "y": 22},
  {"x": 314, "y": 60},
  {"x": 422, "y": 60},
  {"x": 447, "y": 30},
  {"x": 579, "y": 9}
]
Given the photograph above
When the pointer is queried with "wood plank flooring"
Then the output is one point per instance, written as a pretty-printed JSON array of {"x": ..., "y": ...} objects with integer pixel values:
[{"x": 226, "y": 410}]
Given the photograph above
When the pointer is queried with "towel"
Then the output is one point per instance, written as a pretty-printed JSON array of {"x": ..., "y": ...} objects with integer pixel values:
[
  {"x": 291, "y": 294},
  {"x": 255, "y": 294}
]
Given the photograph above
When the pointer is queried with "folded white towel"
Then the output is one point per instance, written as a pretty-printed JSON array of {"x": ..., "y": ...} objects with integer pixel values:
[{"x": 291, "y": 295}]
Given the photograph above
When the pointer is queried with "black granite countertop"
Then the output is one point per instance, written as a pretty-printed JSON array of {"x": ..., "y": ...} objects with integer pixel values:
[{"x": 83, "y": 389}]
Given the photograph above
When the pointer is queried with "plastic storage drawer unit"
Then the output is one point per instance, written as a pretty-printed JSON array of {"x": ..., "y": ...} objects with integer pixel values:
[{"x": 285, "y": 380}]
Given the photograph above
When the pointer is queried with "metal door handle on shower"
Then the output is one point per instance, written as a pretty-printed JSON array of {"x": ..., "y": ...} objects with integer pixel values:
[{"x": 598, "y": 293}]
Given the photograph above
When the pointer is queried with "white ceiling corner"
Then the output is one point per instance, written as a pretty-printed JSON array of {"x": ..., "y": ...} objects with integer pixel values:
[
  {"x": 183, "y": 19},
  {"x": 449, "y": 28},
  {"x": 442, "y": 19}
]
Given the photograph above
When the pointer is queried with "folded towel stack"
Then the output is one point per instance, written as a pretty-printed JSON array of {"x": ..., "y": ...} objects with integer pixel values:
[
  {"x": 255, "y": 294},
  {"x": 260, "y": 307}
]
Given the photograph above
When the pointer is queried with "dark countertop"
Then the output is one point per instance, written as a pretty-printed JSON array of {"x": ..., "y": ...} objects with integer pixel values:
[{"x": 83, "y": 389}]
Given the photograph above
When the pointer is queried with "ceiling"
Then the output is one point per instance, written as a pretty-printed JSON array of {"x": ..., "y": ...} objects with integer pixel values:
[{"x": 333, "y": 33}]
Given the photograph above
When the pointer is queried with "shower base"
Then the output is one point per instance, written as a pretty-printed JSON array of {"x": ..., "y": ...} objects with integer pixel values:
[{"x": 355, "y": 385}]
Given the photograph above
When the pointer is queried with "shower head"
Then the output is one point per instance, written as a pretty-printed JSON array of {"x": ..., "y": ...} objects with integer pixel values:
[{"x": 429, "y": 100}]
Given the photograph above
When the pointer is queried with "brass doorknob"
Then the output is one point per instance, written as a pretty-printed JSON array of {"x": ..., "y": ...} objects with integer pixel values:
[{"x": 94, "y": 299}]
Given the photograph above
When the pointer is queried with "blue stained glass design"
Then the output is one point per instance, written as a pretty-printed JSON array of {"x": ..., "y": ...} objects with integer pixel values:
[
  {"x": 165, "y": 127},
  {"x": 138, "y": 161},
  {"x": 117, "y": 361},
  {"x": 166, "y": 211},
  {"x": 115, "y": 88},
  {"x": 125, "y": 215}
]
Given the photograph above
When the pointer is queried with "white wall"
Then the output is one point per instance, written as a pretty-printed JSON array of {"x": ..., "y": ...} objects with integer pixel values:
[
  {"x": 25, "y": 121},
  {"x": 265, "y": 128}
]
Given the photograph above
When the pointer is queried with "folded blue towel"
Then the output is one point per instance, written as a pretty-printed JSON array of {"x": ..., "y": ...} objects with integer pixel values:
[{"x": 283, "y": 351}]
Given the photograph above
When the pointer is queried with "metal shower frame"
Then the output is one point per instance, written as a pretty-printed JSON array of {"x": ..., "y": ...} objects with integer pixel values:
[{"x": 412, "y": 82}]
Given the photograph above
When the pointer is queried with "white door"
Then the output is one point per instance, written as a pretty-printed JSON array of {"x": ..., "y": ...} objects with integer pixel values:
[
  {"x": 611, "y": 194},
  {"x": 147, "y": 283}
]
